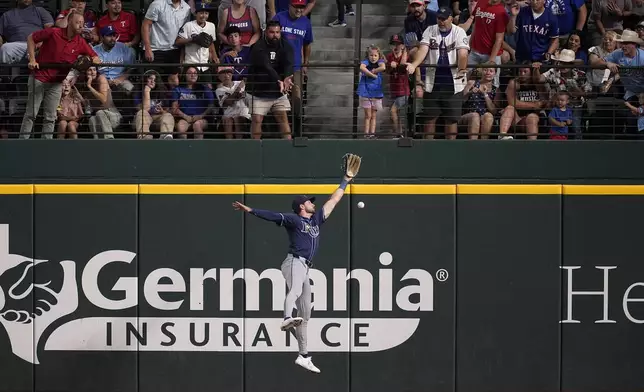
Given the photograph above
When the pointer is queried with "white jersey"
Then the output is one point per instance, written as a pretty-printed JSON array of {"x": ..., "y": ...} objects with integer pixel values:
[
  {"x": 193, "y": 53},
  {"x": 451, "y": 43},
  {"x": 239, "y": 108}
]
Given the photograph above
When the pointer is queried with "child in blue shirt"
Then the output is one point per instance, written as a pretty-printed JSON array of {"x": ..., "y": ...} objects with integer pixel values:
[
  {"x": 560, "y": 118},
  {"x": 370, "y": 87}
]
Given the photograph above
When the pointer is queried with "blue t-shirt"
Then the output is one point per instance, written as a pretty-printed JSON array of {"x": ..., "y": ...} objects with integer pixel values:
[
  {"x": 303, "y": 233},
  {"x": 533, "y": 35},
  {"x": 582, "y": 55},
  {"x": 632, "y": 79},
  {"x": 443, "y": 79},
  {"x": 193, "y": 102},
  {"x": 566, "y": 13},
  {"x": 297, "y": 32},
  {"x": 640, "y": 119},
  {"x": 369, "y": 87},
  {"x": 243, "y": 57},
  {"x": 120, "y": 54},
  {"x": 561, "y": 116}
]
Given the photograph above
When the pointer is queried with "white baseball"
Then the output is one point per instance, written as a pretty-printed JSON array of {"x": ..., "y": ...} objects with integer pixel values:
[{"x": 360, "y": 205}]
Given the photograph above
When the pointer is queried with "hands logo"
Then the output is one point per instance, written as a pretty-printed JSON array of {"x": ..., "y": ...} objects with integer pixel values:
[{"x": 29, "y": 304}]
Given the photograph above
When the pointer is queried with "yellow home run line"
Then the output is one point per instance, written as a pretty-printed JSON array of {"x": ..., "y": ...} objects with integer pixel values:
[{"x": 321, "y": 189}]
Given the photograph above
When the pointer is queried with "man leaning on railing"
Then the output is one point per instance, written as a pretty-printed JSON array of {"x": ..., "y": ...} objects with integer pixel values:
[{"x": 62, "y": 46}]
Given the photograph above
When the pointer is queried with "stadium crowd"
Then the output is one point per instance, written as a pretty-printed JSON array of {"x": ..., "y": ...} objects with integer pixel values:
[{"x": 233, "y": 64}]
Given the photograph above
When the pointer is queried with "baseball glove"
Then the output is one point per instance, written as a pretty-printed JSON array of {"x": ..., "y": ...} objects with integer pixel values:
[
  {"x": 203, "y": 39},
  {"x": 351, "y": 164},
  {"x": 82, "y": 63}
]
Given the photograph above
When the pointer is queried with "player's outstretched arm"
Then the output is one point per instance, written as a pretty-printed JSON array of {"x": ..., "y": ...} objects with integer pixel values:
[
  {"x": 263, "y": 214},
  {"x": 335, "y": 197}
]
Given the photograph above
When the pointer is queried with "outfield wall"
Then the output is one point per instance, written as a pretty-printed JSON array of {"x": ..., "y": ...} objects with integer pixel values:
[{"x": 154, "y": 287}]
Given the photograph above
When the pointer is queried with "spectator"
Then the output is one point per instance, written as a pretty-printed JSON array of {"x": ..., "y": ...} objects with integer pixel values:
[
  {"x": 297, "y": 30},
  {"x": 123, "y": 22},
  {"x": 537, "y": 31},
  {"x": 631, "y": 56},
  {"x": 637, "y": 109},
  {"x": 16, "y": 25},
  {"x": 191, "y": 104},
  {"x": 283, "y": 5},
  {"x": 482, "y": 100},
  {"x": 398, "y": 82},
  {"x": 100, "y": 105},
  {"x": 70, "y": 111},
  {"x": 153, "y": 105},
  {"x": 80, "y": 6},
  {"x": 270, "y": 77},
  {"x": 237, "y": 55},
  {"x": 193, "y": 53},
  {"x": 415, "y": 25},
  {"x": 245, "y": 18},
  {"x": 113, "y": 52},
  {"x": 258, "y": 5},
  {"x": 609, "y": 16},
  {"x": 574, "y": 44},
  {"x": 571, "y": 16},
  {"x": 570, "y": 80},
  {"x": 61, "y": 46},
  {"x": 560, "y": 117},
  {"x": 490, "y": 22},
  {"x": 230, "y": 95},
  {"x": 596, "y": 54},
  {"x": 639, "y": 28},
  {"x": 163, "y": 20},
  {"x": 447, "y": 46},
  {"x": 525, "y": 101},
  {"x": 370, "y": 88},
  {"x": 344, "y": 8}
]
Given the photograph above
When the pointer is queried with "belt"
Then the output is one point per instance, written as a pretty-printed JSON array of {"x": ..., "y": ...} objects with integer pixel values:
[{"x": 307, "y": 262}]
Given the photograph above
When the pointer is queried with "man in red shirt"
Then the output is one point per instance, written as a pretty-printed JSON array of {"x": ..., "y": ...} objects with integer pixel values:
[
  {"x": 79, "y": 6},
  {"x": 123, "y": 22},
  {"x": 59, "y": 46},
  {"x": 486, "y": 42}
]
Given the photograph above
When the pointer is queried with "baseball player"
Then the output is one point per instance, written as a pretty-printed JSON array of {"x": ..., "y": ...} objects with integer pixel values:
[{"x": 303, "y": 228}]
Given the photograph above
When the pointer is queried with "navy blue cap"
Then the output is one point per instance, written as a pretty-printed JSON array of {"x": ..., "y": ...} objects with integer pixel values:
[
  {"x": 300, "y": 200},
  {"x": 107, "y": 30},
  {"x": 444, "y": 12},
  {"x": 204, "y": 5}
]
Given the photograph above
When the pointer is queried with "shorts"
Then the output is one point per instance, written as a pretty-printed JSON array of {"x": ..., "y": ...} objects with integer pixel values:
[
  {"x": 261, "y": 106},
  {"x": 400, "y": 102},
  {"x": 371, "y": 103},
  {"x": 558, "y": 136},
  {"x": 443, "y": 103}
]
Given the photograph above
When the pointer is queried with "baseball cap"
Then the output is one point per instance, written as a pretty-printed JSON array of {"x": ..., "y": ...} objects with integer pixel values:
[
  {"x": 416, "y": 2},
  {"x": 301, "y": 199},
  {"x": 396, "y": 39},
  {"x": 225, "y": 68},
  {"x": 108, "y": 30},
  {"x": 298, "y": 3},
  {"x": 444, "y": 12}
]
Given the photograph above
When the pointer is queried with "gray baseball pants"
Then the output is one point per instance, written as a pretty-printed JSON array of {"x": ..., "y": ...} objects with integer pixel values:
[{"x": 296, "y": 274}]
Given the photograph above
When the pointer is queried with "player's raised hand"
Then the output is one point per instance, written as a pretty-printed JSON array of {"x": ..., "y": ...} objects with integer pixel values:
[{"x": 239, "y": 206}]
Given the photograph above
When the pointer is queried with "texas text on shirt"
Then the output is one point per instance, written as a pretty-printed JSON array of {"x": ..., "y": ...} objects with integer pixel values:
[
  {"x": 303, "y": 232},
  {"x": 534, "y": 34},
  {"x": 58, "y": 49}
]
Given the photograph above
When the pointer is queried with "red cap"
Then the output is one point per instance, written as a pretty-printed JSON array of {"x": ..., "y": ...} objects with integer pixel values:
[{"x": 298, "y": 2}]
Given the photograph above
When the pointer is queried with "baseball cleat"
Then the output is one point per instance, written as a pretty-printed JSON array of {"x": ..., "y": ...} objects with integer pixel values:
[
  {"x": 307, "y": 364},
  {"x": 291, "y": 322}
]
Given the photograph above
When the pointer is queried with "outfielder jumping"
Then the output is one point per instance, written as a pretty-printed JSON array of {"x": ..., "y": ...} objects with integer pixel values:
[{"x": 303, "y": 228}]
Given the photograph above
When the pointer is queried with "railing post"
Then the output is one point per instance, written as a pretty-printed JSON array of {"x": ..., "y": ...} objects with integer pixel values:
[{"x": 357, "y": 36}]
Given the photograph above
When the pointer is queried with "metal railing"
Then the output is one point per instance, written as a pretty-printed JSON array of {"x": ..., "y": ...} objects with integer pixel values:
[{"x": 600, "y": 114}]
